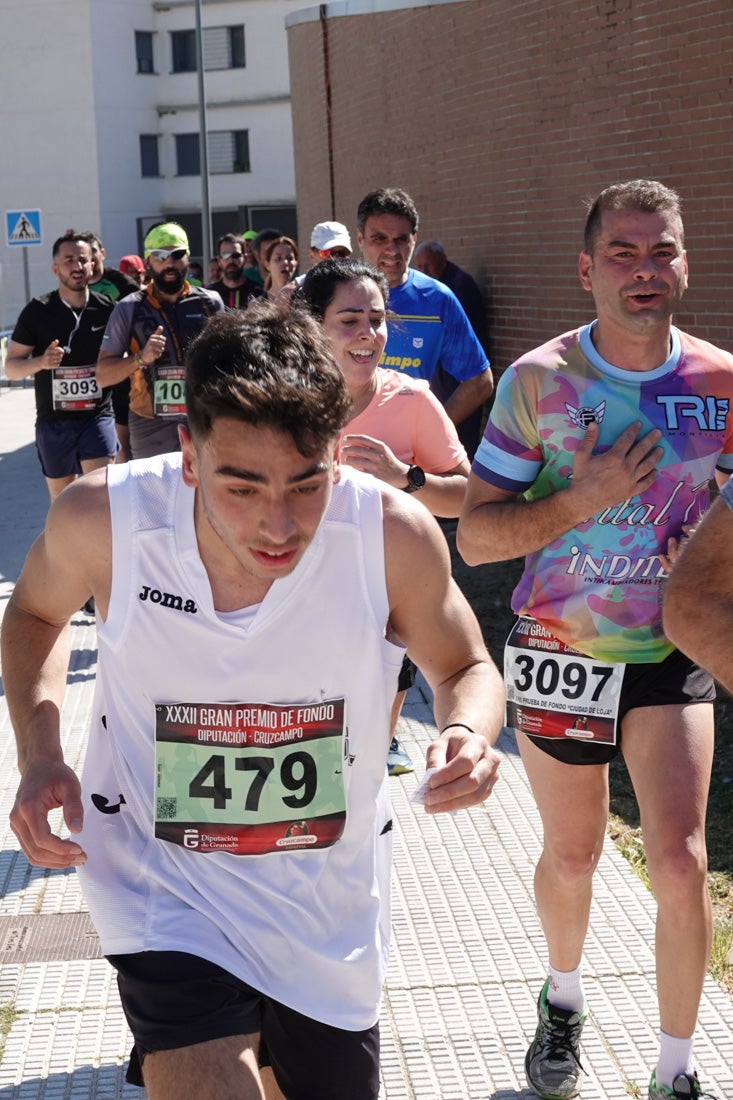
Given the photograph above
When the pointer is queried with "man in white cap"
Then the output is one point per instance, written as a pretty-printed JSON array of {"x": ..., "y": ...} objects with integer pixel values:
[
  {"x": 146, "y": 340},
  {"x": 329, "y": 239}
]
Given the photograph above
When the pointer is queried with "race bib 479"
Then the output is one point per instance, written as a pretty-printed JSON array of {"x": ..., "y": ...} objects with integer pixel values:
[{"x": 250, "y": 778}]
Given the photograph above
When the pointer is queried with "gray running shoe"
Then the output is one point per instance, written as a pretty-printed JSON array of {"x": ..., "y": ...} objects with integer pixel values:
[
  {"x": 685, "y": 1086},
  {"x": 553, "y": 1064}
]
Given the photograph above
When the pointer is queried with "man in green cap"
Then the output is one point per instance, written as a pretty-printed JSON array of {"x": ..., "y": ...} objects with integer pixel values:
[
  {"x": 146, "y": 340},
  {"x": 251, "y": 270}
]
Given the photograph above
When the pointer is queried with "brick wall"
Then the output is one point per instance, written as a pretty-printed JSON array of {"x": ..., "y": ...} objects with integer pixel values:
[{"x": 500, "y": 117}]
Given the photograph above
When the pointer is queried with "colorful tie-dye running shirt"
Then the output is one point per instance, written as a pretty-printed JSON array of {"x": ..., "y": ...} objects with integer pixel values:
[{"x": 598, "y": 587}]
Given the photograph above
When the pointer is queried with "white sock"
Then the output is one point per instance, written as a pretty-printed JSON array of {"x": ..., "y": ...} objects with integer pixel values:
[
  {"x": 675, "y": 1057},
  {"x": 566, "y": 989}
]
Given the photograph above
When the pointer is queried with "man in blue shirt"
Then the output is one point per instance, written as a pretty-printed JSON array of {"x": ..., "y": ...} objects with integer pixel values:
[{"x": 431, "y": 327}]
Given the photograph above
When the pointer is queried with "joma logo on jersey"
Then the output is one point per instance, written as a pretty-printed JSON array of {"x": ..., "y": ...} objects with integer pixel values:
[
  {"x": 167, "y": 599},
  {"x": 708, "y": 413}
]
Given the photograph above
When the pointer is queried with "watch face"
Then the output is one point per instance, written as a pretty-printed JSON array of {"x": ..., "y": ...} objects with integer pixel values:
[{"x": 415, "y": 478}]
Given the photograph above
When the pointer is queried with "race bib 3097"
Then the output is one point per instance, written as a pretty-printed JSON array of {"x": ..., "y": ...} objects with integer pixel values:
[{"x": 554, "y": 691}]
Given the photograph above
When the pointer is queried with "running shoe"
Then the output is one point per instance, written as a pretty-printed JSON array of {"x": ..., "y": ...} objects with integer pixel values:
[
  {"x": 685, "y": 1086},
  {"x": 398, "y": 762},
  {"x": 553, "y": 1064}
]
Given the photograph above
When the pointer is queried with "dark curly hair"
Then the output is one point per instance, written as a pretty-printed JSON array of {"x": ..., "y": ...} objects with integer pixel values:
[{"x": 271, "y": 366}]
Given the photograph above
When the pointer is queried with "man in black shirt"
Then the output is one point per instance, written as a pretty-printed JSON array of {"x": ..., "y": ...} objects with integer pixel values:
[
  {"x": 56, "y": 340},
  {"x": 236, "y": 290}
]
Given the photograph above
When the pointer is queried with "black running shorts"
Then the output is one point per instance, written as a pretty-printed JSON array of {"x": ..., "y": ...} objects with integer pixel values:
[
  {"x": 172, "y": 999},
  {"x": 676, "y": 680}
]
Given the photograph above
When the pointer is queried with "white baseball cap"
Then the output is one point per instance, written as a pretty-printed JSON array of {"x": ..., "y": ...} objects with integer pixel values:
[{"x": 327, "y": 235}]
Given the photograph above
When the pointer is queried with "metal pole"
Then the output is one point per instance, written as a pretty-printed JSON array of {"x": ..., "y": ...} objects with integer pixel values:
[
  {"x": 26, "y": 275},
  {"x": 203, "y": 143}
]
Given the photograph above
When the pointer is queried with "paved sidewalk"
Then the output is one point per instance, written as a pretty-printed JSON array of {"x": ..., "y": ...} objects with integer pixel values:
[{"x": 468, "y": 956}]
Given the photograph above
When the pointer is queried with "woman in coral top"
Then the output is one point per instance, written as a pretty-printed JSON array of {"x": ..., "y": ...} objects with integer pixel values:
[{"x": 399, "y": 432}]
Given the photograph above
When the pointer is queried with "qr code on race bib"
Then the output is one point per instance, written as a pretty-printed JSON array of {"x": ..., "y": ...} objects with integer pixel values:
[{"x": 167, "y": 808}]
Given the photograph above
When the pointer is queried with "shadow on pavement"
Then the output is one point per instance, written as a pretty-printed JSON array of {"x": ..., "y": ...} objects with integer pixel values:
[
  {"x": 23, "y": 507},
  {"x": 85, "y": 1083}
]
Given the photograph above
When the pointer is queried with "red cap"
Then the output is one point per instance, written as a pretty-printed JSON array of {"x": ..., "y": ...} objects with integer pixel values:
[{"x": 131, "y": 264}]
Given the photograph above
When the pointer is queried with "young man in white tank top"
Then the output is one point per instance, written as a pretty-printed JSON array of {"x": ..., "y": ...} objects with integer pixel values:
[{"x": 254, "y": 602}]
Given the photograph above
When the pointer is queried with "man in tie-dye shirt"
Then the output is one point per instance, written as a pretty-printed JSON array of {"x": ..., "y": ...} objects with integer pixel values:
[{"x": 595, "y": 463}]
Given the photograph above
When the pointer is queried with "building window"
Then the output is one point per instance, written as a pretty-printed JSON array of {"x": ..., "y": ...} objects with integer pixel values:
[
  {"x": 183, "y": 51},
  {"x": 188, "y": 161},
  {"x": 144, "y": 51},
  {"x": 149, "y": 164},
  {"x": 223, "y": 49},
  {"x": 228, "y": 151}
]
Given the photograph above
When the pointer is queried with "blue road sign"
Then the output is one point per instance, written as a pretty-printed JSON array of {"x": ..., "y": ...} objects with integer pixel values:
[{"x": 23, "y": 227}]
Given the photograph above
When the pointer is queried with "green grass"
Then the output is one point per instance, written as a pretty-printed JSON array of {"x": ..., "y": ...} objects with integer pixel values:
[{"x": 8, "y": 1015}]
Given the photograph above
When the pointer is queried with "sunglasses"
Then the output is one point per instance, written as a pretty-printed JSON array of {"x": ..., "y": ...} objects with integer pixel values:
[
  {"x": 336, "y": 253},
  {"x": 226, "y": 256},
  {"x": 163, "y": 254}
]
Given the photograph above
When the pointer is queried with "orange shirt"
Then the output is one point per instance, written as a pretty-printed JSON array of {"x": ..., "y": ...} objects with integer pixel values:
[{"x": 406, "y": 416}]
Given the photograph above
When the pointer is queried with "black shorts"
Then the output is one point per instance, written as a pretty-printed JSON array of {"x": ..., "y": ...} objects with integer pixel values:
[
  {"x": 676, "y": 680},
  {"x": 408, "y": 674},
  {"x": 172, "y": 999},
  {"x": 121, "y": 401}
]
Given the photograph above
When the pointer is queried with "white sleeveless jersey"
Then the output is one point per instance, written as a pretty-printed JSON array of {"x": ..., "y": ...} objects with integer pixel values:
[{"x": 309, "y": 928}]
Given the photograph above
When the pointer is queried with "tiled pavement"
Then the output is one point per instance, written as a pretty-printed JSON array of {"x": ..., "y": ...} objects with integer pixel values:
[{"x": 468, "y": 956}]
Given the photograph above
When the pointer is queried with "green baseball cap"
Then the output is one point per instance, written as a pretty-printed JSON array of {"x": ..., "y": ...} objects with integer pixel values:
[
  {"x": 249, "y": 235},
  {"x": 167, "y": 235}
]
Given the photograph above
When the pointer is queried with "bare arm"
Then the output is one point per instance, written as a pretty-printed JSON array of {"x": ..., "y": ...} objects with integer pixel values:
[
  {"x": 21, "y": 363},
  {"x": 431, "y": 617},
  {"x": 113, "y": 368},
  {"x": 470, "y": 395},
  {"x": 698, "y": 601},
  {"x": 64, "y": 566},
  {"x": 442, "y": 494},
  {"x": 496, "y": 525}
]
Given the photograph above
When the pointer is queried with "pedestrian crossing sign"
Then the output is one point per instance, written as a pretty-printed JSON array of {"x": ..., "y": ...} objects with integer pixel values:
[{"x": 23, "y": 227}]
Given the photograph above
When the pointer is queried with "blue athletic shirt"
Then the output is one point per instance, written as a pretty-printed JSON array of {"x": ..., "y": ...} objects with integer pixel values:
[{"x": 431, "y": 327}]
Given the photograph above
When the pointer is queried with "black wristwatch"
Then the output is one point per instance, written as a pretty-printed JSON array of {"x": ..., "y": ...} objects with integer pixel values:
[{"x": 415, "y": 479}]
